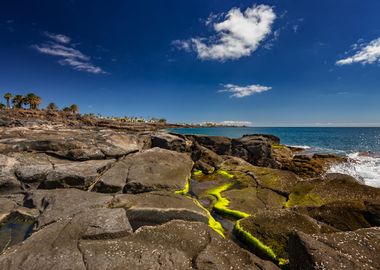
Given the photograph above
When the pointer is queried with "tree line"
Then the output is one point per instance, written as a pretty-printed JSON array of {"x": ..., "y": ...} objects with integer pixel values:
[{"x": 32, "y": 101}]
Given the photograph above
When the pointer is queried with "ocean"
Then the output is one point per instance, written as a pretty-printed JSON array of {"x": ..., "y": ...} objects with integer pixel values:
[{"x": 362, "y": 145}]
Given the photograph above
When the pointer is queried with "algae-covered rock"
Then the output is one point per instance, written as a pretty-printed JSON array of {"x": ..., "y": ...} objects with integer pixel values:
[
  {"x": 309, "y": 166},
  {"x": 332, "y": 188},
  {"x": 279, "y": 181},
  {"x": 274, "y": 227},
  {"x": 358, "y": 249},
  {"x": 251, "y": 200}
]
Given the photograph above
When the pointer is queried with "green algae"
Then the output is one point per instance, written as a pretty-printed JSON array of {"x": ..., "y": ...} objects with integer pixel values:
[
  {"x": 225, "y": 173},
  {"x": 198, "y": 173},
  {"x": 221, "y": 204},
  {"x": 186, "y": 189},
  {"x": 215, "y": 225},
  {"x": 278, "y": 146},
  {"x": 304, "y": 200}
]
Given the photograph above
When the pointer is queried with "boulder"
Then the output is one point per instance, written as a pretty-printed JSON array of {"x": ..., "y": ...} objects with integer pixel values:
[
  {"x": 171, "y": 141},
  {"x": 153, "y": 169},
  {"x": 358, "y": 249},
  {"x": 256, "y": 149},
  {"x": 219, "y": 145},
  {"x": 274, "y": 227},
  {"x": 331, "y": 189},
  {"x": 310, "y": 166}
]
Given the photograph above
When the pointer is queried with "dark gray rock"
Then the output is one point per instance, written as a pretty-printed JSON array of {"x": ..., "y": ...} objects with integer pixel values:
[
  {"x": 153, "y": 169},
  {"x": 173, "y": 245},
  {"x": 358, "y": 249},
  {"x": 154, "y": 208}
]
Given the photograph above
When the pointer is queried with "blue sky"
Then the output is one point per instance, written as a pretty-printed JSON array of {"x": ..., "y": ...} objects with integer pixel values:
[{"x": 272, "y": 63}]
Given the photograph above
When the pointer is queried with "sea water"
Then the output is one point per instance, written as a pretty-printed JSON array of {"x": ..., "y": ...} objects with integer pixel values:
[{"x": 361, "y": 145}]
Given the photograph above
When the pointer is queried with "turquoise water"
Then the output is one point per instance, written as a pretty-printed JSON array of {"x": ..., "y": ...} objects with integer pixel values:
[{"x": 362, "y": 145}]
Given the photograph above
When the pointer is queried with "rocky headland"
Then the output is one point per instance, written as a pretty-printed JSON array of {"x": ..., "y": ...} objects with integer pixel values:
[{"x": 84, "y": 193}]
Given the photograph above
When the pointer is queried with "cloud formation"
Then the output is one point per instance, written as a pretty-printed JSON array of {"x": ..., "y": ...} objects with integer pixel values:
[
  {"x": 238, "y": 34},
  {"x": 364, "y": 53},
  {"x": 58, "y": 37},
  {"x": 244, "y": 91},
  {"x": 59, "y": 45}
]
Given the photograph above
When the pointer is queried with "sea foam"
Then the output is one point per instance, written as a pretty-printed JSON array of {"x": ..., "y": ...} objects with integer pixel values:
[{"x": 364, "y": 167}]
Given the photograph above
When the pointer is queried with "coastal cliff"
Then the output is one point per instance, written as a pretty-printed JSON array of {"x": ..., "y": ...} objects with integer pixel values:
[{"x": 84, "y": 193}]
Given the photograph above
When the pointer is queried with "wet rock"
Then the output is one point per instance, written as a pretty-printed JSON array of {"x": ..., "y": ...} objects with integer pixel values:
[
  {"x": 153, "y": 169},
  {"x": 274, "y": 227},
  {"x": 358, "y": 249}
]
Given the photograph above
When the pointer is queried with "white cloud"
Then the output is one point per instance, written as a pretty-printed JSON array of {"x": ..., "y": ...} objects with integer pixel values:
[
  {"x": 80, "y": 65},
  {"x": 69, "y": 56},
  {"x": 60, "y": 50},
  {"x": 244, "y": 91},
  {"x": 238, "y": 35},
  {"x": 364, "y": 53},
  {"x": 58, "y": 37}
]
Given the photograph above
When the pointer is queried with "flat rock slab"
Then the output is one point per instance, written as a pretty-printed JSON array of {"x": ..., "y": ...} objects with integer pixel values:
[
  {"x": 173, "y": 245},
  {"x": 39, "y": 170},
  {"x": 154, "y": 208},
  {"x": 153, "y": 169},
  {"x": 59, "y": 204},
  {"x": 56, "y": 246},
  {"x": 358, "y": 249},
  {"x": 73, "y": 144}
]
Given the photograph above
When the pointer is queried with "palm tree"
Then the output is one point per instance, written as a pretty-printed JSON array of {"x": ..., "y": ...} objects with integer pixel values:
[
  {"x": 8, "y": 97},
  {"x": 52, "y": 107},
  {"x": 2, "y": 106},
  {"x": 17, "y": 101},
  {"x": 74, "y": 108},
  {"x": 33, "y": 100}
]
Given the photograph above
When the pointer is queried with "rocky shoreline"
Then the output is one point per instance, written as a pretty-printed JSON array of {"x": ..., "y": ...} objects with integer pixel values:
[{"x": 82, "y": 194}]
